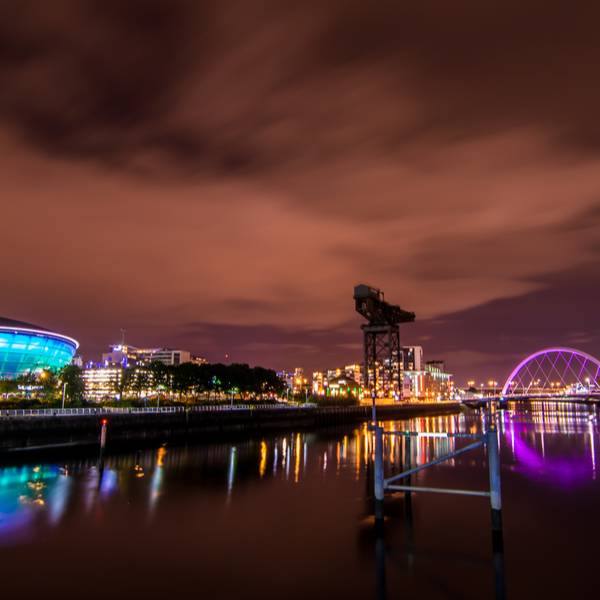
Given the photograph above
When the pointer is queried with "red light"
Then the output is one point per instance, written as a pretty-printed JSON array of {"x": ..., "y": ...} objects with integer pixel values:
[{"x": 104, "y": 421}]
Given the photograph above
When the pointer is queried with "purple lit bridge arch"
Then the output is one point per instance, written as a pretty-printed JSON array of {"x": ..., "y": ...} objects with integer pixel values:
[{"x": 554, "y": 372}]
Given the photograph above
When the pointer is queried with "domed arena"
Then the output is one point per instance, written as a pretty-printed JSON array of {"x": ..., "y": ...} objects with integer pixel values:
[{"x": 27, "y": 348}]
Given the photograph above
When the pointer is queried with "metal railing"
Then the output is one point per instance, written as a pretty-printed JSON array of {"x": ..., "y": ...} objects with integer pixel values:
[
  {"x": 118, "y": 410},
  {"x": 111, "y": 410},
  {"x": 487, "y": 439}
]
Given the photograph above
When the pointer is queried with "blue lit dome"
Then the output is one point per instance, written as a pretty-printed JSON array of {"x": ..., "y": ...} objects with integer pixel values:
[{"x": 26, "y": 348}]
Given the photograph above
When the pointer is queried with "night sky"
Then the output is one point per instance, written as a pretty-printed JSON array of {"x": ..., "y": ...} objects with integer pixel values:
[{"x": 217, "y": 176}]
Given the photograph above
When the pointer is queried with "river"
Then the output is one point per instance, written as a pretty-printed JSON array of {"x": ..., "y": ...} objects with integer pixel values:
[{"x": 290, "y": 516}]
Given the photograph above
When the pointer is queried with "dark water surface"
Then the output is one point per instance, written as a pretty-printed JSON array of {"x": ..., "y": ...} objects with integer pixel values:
[{"x": 289, "y": 516}]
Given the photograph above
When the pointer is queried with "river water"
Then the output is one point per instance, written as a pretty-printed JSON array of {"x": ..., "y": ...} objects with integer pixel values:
[{"x": 290, "y": 516}]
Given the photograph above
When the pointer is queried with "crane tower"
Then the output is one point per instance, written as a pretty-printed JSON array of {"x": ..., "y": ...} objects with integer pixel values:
[{"x": 381, "y": 341}]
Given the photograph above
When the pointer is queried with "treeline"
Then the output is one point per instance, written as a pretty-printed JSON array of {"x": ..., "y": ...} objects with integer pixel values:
[
  {"x": 190, "y": 380},
  {"x": 184, "y": 382},
  {"x": 44, "y": 386}
]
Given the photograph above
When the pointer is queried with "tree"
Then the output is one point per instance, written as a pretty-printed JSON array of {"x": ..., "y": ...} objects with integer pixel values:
[
  {"x": 141, "y": 380},
  {"x": 72, "y": 376},
  {"x": 160, "y": 375},
  {"x": 124, "y": 382},
  {"x": 8, "y": 386},
  {"x": 49, "y": 382},
  {"x": 266, "y": 381},
  {"x": 187, "y": 379}
]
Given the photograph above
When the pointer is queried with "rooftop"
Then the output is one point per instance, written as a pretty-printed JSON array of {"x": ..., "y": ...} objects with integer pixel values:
[{"x": 4, "y": 322}]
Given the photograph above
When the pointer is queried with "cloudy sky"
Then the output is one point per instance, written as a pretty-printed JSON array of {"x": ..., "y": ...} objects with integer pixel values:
[{"x": 219, "y": 175}]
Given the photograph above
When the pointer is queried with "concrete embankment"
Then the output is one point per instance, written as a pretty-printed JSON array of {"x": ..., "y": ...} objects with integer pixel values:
[{"x": 18, "y": 434}]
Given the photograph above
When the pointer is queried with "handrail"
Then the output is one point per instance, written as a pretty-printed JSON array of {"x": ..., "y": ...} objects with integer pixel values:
[
  {"x": 107, "y": 410},
  {"x": 117, "y": 410}
]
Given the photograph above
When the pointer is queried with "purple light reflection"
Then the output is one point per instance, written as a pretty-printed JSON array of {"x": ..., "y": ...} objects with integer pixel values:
[{"x": 565, "y": 472}]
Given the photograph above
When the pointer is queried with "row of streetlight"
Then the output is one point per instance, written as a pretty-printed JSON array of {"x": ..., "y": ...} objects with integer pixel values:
[{"x": 491, "y": 383}]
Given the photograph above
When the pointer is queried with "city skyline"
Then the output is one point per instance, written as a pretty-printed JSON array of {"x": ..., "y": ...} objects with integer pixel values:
[{"x": 218, "y": 179}]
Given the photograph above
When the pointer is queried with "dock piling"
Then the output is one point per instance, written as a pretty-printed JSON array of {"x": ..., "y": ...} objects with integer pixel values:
[
  {"x": 495, "y": 486},
  {"x": 103, "y": 434},
  {"x": 378, "y": 475}
]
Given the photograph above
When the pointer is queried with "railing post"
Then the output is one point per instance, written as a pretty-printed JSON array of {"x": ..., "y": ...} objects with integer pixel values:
[
  {"x": 378, "y": 476},
  {"x": 495, "y": 491}
]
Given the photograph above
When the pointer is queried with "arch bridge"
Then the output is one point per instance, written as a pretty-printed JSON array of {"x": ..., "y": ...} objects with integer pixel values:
[{"x": 554, "y": 372}]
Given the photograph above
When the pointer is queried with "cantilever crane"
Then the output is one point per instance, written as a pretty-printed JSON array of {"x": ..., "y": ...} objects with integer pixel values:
[{"x": 381, "y": 341}]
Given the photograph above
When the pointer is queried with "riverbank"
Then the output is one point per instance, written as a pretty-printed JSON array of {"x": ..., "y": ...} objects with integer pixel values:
[{"x": 22, "y": 434}]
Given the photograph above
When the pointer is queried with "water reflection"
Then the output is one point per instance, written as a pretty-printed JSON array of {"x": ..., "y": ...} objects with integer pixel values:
[
  {"x": 554, "y": 441},
  {"x": 542, "y": 444},
  {"x": 46, "y": 491},
  {"x": 526, "y": 430}
]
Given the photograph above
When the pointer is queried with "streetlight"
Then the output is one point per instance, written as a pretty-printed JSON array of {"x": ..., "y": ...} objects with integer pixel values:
[
  {"x": 494, "y": 386},
  {"x": 64, "y": 393}
]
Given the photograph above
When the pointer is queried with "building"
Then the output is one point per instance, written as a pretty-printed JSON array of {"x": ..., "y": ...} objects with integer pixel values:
[
  {"x": 412, "y": 358},
  {"x": 121, "y": 355},
  {"x": 167, "y": 356},
  {"x": 27, "y": 348},
  {"x": 102, "y": 383},
  {"x": 342, "y": 387},
  {"x": 323, "y": 382},
  {"x": 433, "y": 383},
  {"x": 109, "y": 383},
  {"x": 299, "y": 381},
  {"x": 295, "y": 381},
  {"x": 126, "y": 356},
  {"x": 421, "y": 381},
  {"x": 355, "y": 372},
  {"x": 319, "y": 381},
  {"x": 104, "y": 380}
]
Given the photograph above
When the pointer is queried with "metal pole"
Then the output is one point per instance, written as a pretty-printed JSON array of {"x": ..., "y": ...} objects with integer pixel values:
[
  {"x": 499, "y": 577},
  {"x": 407, "y": 465},
  {"x": 380, "y": 560},
  {"x": 378, "y": 477},
  {"x": 64, "y": 392},
  {"x": 373, "y": 409},
  {"x": 495, "y": 491},
  {"x": 103, "y": 435}
]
